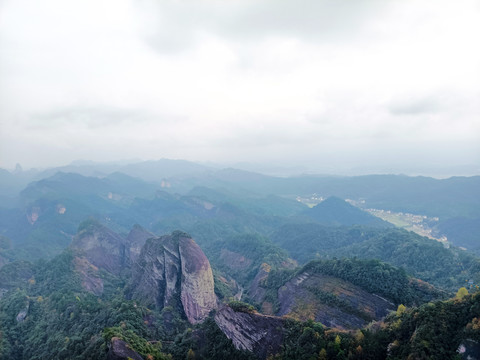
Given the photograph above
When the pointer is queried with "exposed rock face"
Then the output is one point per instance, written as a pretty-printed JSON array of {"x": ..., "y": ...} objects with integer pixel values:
[
  {"x": 24, "y": 312},
  {"x": 261, "y": 334},
  {"x": 91, "y": 281},
  {"x": 22, "y": 315},
  {"x": 135, "y": 241},
  {"x": 173, "y": 271},
  {"x": 469, "y": 349},
  {"x": 256, "y": 292},
  {"x": 101, "y": 246},
  {"x": 197, "y": 286},
  {"x": 119, "y": 350},
  {"x": 331, "y": 301}
]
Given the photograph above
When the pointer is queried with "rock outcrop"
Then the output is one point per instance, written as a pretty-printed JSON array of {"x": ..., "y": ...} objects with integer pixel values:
[
  {"x": 172, "y": 270},
  {"x": 135, "y": 241},
  {"x": 331, "y": 301},
  {"x": 24, "y": 312},
  {"x": 100, "y": 246},
  {"x": 119, "y": 350},
  {"x": 197, "y": 286},
  {"x": 256, "y": 291},
  {"x": 260, "y": 334}
]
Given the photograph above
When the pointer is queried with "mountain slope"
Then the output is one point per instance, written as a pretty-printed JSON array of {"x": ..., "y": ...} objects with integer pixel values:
[
  {"x": 347, "y": 293},
  {"x": 424, "y": 258},
  {"x": 335, "y": 211}
]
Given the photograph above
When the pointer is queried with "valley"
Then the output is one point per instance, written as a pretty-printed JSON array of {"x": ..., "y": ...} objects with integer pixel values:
[{"x": 419, "y": 224}]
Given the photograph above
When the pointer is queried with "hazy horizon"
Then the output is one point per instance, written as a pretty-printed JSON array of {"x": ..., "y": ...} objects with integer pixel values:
[
  {"x": 272, "y": 169},
  {"x": 312, "y": 86}
]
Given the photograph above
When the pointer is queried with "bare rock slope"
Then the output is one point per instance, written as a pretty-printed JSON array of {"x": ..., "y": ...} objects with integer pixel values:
[
  {"x": 172, "y": 270},
  {"x": 101, "y": 246},
  {"x": 260, "y": 334},
  {"x": 331, "y": 301},
  {"x": 135, "y": 241}
]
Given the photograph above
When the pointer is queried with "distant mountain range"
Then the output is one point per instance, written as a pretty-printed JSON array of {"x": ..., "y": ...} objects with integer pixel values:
[{"x": 115, "y": 191}]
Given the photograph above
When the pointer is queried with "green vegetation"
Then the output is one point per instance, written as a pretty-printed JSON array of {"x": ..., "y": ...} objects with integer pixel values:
[
  {"x": 61, "y": 319},
  {"x": 46, "y": 313},
  {"x": 433, "y": 331},
  {"x": 239, "y": 306},
  {"x": 336, "y": 211},
  {"x": 373, "y": 276},
  {"x": 439, "y": 328},
  {"x": 147, "y": 350},
  {"x": 376, "y": 277},
  {"x": 207, "y": 342},
  {"x": 5, "y": 243},
  {"x": 254, "y": 249},
  {"x": 421, "y": 257},
  {"x": 461, "y": 293}
]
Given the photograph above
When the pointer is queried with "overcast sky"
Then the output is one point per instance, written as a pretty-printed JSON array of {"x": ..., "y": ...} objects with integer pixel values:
[{"x": 332, "y": 86}]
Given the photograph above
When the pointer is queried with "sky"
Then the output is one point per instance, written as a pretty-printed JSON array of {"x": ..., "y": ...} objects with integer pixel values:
[{"x": 328, "y": 86}]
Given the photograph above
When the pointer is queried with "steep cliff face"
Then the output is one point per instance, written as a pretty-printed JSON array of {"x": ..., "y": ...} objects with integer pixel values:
[
  {"x": 257, "y": 292},
  {"x": 135, "y": 241},
  {"x": 260, "y": 334},
  {"x": 197, "y": 287},
  {"x": 173, "y": 271},
  {"x": 100, "y": 246}
]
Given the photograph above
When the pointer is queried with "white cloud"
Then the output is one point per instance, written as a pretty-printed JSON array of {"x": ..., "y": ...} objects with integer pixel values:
[{"x": 238, "y": 80}]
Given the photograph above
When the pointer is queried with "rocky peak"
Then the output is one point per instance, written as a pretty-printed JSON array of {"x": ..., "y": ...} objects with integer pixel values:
[
  {"x": 172, "y": 270},
  {"x": 100, "y": 246}
]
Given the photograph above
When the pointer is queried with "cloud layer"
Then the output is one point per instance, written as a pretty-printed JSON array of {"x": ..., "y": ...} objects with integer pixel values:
[{"x": 320, "y": 83}]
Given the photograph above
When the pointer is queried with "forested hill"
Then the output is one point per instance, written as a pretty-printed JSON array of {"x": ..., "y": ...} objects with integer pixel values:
[
  {"x": 49, "y": 311},
  {"x": 335, "y": 211},
  {"x": 426, "y": 259}
]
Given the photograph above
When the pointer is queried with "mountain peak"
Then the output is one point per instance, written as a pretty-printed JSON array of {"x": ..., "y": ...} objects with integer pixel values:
[
  {"x": 101, "y": 246},
  {"x": 336, "y": 211},
  {"x": 172, "y": 270}
]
